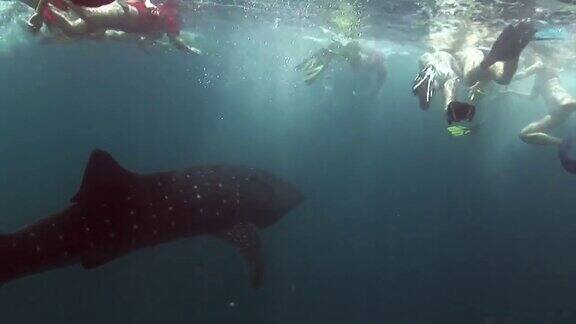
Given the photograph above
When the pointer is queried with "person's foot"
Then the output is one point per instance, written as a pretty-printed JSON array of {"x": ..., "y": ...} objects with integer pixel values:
[{"x": 35, "y": 22}]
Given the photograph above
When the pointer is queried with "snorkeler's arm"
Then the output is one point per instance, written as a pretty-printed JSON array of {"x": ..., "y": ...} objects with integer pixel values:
[
  {"x": 534, "y": 93},
  {"x": 524, "y": 74},
  {"x": 450, "y": 90},
  {"x": 321, "y": 41},
  {"x": 519, "y": 94},
  {"x": 36, "y": 20},
  {"x": 455, "y": 66},
  {"x": 152, "y": 9},
  {"x": 116, "y": 35},
  {"x": 149, "y": 4},
  {"x": 180, "y": 45},
  {"x": 530, "y": 71}
]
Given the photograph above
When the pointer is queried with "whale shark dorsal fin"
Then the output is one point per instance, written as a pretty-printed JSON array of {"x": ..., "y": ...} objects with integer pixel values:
[
  {"x": 245, "y": 238},
  {"x": 104, "y": 179}
]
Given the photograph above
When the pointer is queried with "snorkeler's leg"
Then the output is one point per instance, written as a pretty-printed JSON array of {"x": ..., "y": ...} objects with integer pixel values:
[
  {"x": 537, "y": 132},
  {"x": 531, "y": 70},
  {"x": 505, "y": 75},
  {"x": 69, "y": 27},
  {"x": 450, "y": 92},
  {"x": 471, "y": 70}
]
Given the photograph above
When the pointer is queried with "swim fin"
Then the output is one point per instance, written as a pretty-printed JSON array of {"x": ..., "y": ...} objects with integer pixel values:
[
  {"x": 313, "y": 72},
  {"x": 460, "y": 111},
  {"x": 510, "y": 43},
  {"x": 314, "y": 65},
  {"x": 424, "y": 87}
]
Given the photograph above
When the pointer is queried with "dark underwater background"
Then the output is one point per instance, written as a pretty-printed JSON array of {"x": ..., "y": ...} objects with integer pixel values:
[{"x": 401, "y": 224}]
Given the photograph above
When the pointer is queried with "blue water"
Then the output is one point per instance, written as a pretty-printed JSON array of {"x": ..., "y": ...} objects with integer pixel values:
[{"x": 402, "y": 223}]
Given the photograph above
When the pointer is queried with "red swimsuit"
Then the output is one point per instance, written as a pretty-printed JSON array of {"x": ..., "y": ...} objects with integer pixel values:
[{"x": 168, "y": 21}]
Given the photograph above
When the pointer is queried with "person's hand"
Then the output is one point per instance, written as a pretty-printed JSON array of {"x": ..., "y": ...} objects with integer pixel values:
[
  {"x": 194, "y": 51},
  {"x": 35, "y": 22},
  {"x": 475, "y": 92},
  {"x": 153, "y": 11}
]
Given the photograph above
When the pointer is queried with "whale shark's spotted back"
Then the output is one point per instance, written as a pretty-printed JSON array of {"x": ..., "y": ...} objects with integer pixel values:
[{"x": 117, "y": 211}]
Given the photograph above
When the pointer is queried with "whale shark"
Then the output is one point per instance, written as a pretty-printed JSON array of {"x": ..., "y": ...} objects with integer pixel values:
[{"x": 116, "y": 212}]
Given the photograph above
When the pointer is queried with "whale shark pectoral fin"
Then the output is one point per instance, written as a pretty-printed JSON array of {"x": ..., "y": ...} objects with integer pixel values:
[{"x": 245, "y": 238}]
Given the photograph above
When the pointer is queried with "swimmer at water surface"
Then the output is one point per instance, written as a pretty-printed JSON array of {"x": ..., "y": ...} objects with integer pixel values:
[{"x": 135, "y": 17}]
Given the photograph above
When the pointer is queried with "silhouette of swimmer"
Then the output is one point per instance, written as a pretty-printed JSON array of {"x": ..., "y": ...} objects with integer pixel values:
[{"x": 563, "y": 154}]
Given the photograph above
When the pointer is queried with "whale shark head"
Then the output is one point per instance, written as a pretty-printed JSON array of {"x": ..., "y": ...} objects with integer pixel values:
[{"x": 265, "y": 198}]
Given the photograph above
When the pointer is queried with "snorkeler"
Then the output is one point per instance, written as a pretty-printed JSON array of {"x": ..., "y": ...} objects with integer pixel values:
[
  {"x": 133, "y": 18},
  {"x": 440, "y": 70},
  {"x": 559, "y": 102},
  {"x": 37, "y": 19},
  {"x": 360, "y": 58},
  {"x": 480, "y": 69}
]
